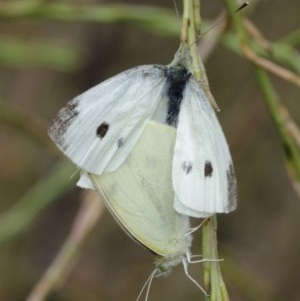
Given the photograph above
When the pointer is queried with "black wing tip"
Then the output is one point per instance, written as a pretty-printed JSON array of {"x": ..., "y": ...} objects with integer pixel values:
[{"x": 231, "y": 188}]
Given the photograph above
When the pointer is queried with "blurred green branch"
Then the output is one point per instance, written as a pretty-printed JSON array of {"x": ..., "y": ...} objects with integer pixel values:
[
  {"x": 159, "y": 20},
  {"x": 280, "y": 51},
  {"x": 279, "y": 113},
  {"x": 292, "y": 38},
  {"x": 281, "y": 118},
  {"x": 16, "y": 220},
  {"x": 51, "y": 54}
]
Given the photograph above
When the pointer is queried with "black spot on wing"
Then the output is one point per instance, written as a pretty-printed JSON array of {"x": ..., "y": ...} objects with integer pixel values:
[
  {"x": 120, "y": 142},
  {"x": 231, "y": 188},
  {"x": 187, "y": 167},
  {"x": 208, "y": 169},
  {"x": 102, "y": 130},
  {"x": 62, "y": 121}
]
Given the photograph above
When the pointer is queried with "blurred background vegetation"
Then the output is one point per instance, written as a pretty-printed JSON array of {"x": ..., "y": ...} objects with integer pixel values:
[{"x": 51, "y": 51}]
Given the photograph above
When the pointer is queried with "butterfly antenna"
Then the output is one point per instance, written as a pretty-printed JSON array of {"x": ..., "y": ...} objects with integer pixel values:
[
  {"x": 221, "y": 21},
  {"x": 177, "y": 12},
  {"x": 148, "y": 284},
  {"x": 241, "y": 7},
  {"x": 225, "y": 18},
  {"x": 185, "y": 264},
  {"x": 176, "y": 8}
]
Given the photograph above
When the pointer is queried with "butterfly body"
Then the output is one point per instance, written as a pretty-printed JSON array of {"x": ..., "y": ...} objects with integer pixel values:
[{"x": 177, "y": 78}]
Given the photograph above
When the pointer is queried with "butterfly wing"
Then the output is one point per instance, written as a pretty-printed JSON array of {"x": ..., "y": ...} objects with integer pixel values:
[
  {"x": 203, "y": 173},
  {"x": 139, "y": 193},
  {"x": 98, "y": 129}
]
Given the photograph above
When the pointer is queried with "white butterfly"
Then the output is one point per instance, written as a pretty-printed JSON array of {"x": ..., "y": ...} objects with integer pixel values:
[
  {"x": 139, "y": 194},
  {"x": 98, "y": 130},
  {"x": 141, "y": 200}
]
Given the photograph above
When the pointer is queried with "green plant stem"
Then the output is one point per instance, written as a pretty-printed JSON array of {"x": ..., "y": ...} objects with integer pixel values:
[
  {"x": 213, "y": 281},
  {"x": 214, "y": 284}
]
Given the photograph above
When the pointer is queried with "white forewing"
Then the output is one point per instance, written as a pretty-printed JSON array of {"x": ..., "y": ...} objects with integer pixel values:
[
  {"x": 139, "y": 194},
  {"x": 98, "y": 129},
  {"x": 203, "y": 174}
]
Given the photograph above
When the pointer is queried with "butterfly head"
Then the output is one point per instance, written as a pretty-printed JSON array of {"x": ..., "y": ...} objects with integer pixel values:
[
  {"x": 164, "y": 264},
  {"x": 182, "y": 58}
]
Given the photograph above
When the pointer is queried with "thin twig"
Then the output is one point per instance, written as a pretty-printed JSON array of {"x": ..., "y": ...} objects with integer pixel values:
[
  {"x": 85, "y": 221},
  {"x": 270, "y": 66}
]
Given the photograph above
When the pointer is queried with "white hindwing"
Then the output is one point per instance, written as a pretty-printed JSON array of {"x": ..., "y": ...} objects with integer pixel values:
[
  {"x": 139, "y": 194},
  {"x": 98, "y": 129},
  {"x": 203, "y": 175}
]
